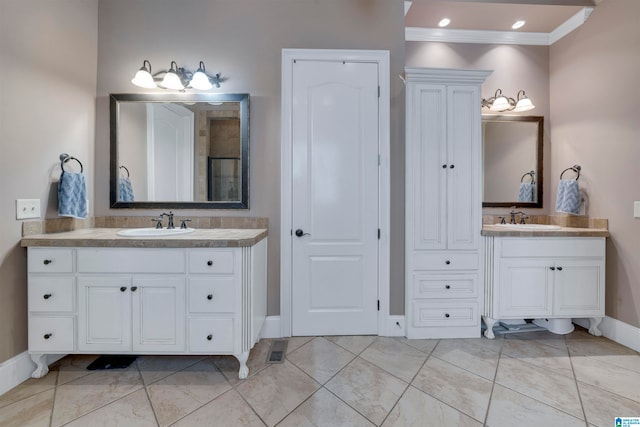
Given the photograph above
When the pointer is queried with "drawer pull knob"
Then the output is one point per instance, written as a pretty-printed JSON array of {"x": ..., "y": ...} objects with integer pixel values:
[
  {"x": 447, "y": 286},
  {"x": 134, "y": 288},
  {"x": 210, "y": 297},
  {"x": 47, "y": 261},
  {"x": 209, "y": 337},
  {"x": 559, "y": 268},
  {"x": 452, "y": 166},
  {"x": 444, "y": 166},
  {"x": 123, "y": 288},
  {"x": 447, "y": 262},
  {"x": 47, "y": 336},
  {"x": 552, "y": 268},
  {"x": 447, "y": 315},
  {"x": 209, "y": 263},
  {"x": 46, "y": 296}
]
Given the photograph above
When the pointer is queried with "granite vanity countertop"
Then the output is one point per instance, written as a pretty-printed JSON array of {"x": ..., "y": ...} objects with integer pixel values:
[
  {"x": 492, "y": 230},
  {"x": 108, "y": 238}
]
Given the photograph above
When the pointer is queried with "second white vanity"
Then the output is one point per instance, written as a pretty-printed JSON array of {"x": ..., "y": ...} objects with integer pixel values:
[
  {"x": 91, "y": 291},
  {"x": 552, "y": 276}
]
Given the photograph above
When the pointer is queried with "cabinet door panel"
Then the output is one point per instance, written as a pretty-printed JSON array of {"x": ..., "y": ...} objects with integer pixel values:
[
  {"x": 525, "y": 288},
  {"x": 104, "y": 314},
  {"x": 579, "y": 287},
  {"x": 158, "y": 314}
]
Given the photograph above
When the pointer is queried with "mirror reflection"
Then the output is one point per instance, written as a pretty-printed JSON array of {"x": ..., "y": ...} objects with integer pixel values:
[
  {"x": 512, "y": 161},
  {"x": 179, "y": 150}
]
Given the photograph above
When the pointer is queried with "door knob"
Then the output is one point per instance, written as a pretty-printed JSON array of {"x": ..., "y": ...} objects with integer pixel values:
[{"x": 301, "y": 233}]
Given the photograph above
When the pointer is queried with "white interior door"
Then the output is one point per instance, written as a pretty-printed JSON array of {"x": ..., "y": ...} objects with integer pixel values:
[
  {"x": 334, "y": 197},
  {"x": 170, "y": 152}
]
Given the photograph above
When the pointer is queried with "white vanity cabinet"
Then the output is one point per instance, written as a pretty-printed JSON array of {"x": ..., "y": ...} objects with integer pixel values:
[
  {"x": 443, "y": 203},
  {"x": 101, "y": 300},
  {"x": 545, "y": 277}
]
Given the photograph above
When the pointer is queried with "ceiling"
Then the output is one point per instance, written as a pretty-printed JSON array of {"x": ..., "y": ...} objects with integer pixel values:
[{"x": 489, "y": 21}]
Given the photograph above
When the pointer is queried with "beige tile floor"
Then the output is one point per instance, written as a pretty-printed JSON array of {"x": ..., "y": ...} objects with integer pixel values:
[{"x": 529, "y": 379}]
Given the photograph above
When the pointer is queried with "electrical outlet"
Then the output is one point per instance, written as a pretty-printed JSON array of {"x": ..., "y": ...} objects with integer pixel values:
[
  {"x": 27, "y": 208},
  {"x": 636, "y": 209}
]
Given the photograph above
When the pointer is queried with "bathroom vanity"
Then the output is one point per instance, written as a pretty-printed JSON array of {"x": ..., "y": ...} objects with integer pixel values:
[
  {"x": 552, "y": 276},
  {"x": 91, "y": 291}
]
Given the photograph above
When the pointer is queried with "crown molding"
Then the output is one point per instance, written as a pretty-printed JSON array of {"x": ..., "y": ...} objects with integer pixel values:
[{"x": 498, "y": 37}]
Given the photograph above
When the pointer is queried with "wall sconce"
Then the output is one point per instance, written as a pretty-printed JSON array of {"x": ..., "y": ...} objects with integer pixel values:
[
  {"x": 500, "y": 102},
  {"x": 176, "y": 78}
]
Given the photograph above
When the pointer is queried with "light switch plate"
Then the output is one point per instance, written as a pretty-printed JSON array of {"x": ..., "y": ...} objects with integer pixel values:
[
  {"x": 27, "y": 208},
  {"x": 636, "y": 209}
]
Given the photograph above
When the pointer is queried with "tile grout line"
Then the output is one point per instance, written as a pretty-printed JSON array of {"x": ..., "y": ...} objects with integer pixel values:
[
  {"x": 493, "y": 384},
  {"x": 575, "y": 380}
]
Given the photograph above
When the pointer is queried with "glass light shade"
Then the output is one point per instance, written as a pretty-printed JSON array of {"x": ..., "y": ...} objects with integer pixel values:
[
  {"x": 500, "y": 104},
  {"x": 200, "y": 81},
  {"x": 172, "y": 81},
  {"x": 524, "y": 104},
  {"x": 144, "y": 79}
]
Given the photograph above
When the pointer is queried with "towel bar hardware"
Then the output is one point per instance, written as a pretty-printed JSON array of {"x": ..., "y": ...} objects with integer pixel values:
[
  {"x": 127, "y": 170},
  {"x": 531, "y": 174},
  {"x": 575, "y": 168},
  {"x": 64, "y": 158}
]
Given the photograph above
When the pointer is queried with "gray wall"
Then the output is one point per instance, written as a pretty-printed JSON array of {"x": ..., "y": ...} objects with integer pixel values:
[
  {"x": 243, "y": 40},
  {"x": 48, "y": 55},
  {"x": 594, "y": 122}
]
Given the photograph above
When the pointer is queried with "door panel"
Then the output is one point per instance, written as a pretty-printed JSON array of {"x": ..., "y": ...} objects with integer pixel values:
[{"x": 335, "y": 198}]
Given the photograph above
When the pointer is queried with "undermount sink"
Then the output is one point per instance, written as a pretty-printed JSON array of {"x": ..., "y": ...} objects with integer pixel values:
[
  {"x": 530, "y": 227},
  {"x": 154, "y": 232}
]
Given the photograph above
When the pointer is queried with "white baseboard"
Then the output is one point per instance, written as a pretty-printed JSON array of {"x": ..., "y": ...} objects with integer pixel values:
[
  {"x": 272, "y": 328},
  {"x": 615, "y": 330},
  {"x": 19, "y": 369}
]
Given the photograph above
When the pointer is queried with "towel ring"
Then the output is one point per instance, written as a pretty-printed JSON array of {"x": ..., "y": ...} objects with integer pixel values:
[
  {"x": 531, "y": 174},
  {"x": 64, "y": 158},
  {"x": 575, "y": 168},
  {"x": 125, "y": 168}
]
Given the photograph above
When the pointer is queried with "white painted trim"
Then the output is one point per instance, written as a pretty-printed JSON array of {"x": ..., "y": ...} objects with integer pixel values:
[
  {"x": 444, "y": 35},
  {"x": 407, "y": 6},
  {"x": 615, "y": 330},
  {"x": 18, "y": 369},
  {"x": 271, "y": 328},
  {"x": 381, "y": 57},
  {"x": 395, "y": 327}
]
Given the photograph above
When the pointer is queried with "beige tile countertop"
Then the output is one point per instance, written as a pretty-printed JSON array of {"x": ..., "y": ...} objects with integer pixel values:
[
  {"x": 492, "y": 230},
  {"x": 107, "y": 237}
]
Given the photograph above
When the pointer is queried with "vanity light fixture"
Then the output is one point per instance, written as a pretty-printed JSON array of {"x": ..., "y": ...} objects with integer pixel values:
[
  {"x": 500, "y": 102},
  {"x": 176, "y": 78}
]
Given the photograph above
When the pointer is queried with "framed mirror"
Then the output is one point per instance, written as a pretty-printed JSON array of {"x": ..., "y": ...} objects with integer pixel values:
[
  {"x": 512, "y": 161},
  {"x": 187, "y": 151}
]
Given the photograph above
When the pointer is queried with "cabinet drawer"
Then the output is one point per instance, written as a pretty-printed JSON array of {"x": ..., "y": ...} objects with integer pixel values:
[
  {"x": 218, "y": 261},
  {"x": 445, "y": 314},
  {"x": 212, "y": 294},
  {"x": 51, "y": 334},
  {"x": 445, "y": 261},
  {"x": 552, "y": 247},
  {"x": 48, "y": 260},
  {"x": 445, "y": 285},
  {"x": 211, "y": 335},
  {"x": 53, "y": 294},
  {"x": 127, "y": 260}
]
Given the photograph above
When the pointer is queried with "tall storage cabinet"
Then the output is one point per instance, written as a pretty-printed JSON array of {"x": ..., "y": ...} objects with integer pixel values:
[{"x": 443, "y": 202}]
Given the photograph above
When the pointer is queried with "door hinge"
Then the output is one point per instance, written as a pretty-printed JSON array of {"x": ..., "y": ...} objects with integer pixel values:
[
  {"x": 379, "y": 160},
  {"x": 378, "y": 91},
  {"x": 378, "y": 234},
  {"x": 378, "y": 305}
]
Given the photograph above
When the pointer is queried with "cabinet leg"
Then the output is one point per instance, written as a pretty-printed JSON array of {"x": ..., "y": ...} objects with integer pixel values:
[
  {"x": 594, "y": 322},
  {"x": 490, "y": 324},
  {"x": 42, "y": 368},
  {"x": 244, "y": 370}
]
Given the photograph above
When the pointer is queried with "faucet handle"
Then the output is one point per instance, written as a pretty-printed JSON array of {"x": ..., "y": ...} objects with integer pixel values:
[
  {"x": 158, "y": 221},
  {"x": 522, "y": 218},
  {"x": 502, "y": 220},
  {"x": 183, "y": 224}
]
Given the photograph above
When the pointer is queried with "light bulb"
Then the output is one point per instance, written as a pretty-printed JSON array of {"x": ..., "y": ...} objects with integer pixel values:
[
  {"x": 172, "y": 81},
  {"x": 200, "y": 81}
]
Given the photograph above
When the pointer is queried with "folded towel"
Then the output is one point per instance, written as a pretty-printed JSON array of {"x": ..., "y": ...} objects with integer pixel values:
[
  {"x": 526, "y": 192},
  {"x": 125, "y": 190},
  {"x": 568, "y": 197},
  {"x": 72, "y": 195}
]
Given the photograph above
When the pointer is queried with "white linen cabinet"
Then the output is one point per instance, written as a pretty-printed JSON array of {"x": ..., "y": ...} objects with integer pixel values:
[{"x": 443, "y": 202}]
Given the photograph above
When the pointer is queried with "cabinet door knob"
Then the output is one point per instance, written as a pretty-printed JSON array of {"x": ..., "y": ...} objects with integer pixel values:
[
  {"x": 210, "y": 297},
  {"x": 210, "y": 263},
  {"x": 559, "y": 268},
  {"x": 444, "y": 166},
  {"x": 452, "y": 166},
  {"x": 46, "y": 296},
  {"x": 447, "y": 262},
  {"x": 123, "y": 288},
  {"x": 446, "y": 315},
  {"x": 552, "y": 268},
  {"x": 47, "y": 336},
  {"x": 134, "y": 288},
  {"x": 209, "y": 337},
  {"x": 47, "y": 261},
  {"x": 447, "y": 286}
]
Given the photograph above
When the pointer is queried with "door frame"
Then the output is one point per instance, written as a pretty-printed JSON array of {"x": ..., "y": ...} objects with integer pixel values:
[{"x": 381, "y": 57}]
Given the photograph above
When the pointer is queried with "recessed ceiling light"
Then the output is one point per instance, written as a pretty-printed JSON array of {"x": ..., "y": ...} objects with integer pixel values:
[
  {"x": 518, "y": 24},
  {"x": 444, "y": 22}
]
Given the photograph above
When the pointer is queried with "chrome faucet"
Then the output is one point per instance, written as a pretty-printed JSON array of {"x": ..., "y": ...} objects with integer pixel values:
[
  {"x": 513, "y": 214},
  {"x": 170, "y": 222}
]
